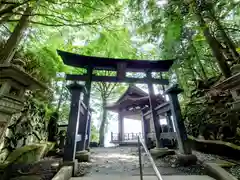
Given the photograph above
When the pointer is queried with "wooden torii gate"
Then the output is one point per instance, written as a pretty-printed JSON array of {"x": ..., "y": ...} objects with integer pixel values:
[{"x": 78, "y": 131}]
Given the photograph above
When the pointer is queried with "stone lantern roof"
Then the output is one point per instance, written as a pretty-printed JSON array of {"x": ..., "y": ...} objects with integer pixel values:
[{"x": 9, "y": 71}]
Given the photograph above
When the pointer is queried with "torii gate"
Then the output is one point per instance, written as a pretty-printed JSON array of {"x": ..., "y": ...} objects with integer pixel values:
[{"x": 79, "y": 125}]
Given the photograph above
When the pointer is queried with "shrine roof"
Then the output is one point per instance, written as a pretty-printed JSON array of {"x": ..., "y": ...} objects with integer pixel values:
[
  {"x": 133, "y": 98},
  {"x": 103, "y": 63},
  {"x": 133, "y": 91}
]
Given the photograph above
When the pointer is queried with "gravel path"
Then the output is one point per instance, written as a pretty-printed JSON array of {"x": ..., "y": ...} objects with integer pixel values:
[{"x": 124, "y": 161}]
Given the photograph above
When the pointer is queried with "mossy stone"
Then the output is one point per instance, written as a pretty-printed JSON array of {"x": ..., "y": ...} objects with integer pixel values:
[
  {"x": 27, "y": 178},
  {"x": 27, "y": 154},
  {"x": 161, "y": 152}
]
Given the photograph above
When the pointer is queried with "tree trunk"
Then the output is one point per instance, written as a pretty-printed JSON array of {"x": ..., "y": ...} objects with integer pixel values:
[
  {"x": 199, "y": 61},
  {"x": 214, "y": 45},
  {"x": 9, "y": 49},
  {"x": 103, "y": 123}
]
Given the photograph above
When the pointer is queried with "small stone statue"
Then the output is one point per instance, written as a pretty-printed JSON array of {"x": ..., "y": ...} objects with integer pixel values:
[
  {"x": 62, "y": 137},
  {"x": 53, "y": 127}
]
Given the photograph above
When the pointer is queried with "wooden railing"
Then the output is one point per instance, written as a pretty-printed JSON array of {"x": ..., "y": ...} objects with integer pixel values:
[
  {"x": 115, "y": 137},
  {"x": 133, "y": 136}
]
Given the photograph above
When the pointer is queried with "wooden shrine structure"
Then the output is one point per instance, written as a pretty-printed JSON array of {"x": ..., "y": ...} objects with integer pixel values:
[
  {"x": 79, "y": 125},
  {"x": 130, "y": 105}
]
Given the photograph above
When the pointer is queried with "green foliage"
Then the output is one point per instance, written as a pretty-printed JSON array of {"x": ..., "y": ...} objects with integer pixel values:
[
  {"x": 175, "y": 27},
  {"x": 94, "y": 134},
  {"x": 147, "y": 29}
]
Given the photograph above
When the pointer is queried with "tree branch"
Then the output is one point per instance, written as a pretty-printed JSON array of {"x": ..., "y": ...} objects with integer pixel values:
[
  {"x": 77, "y": 3},
  {"x": 10, "y": 8}
]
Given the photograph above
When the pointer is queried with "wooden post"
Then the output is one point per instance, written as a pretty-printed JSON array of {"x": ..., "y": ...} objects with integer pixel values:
[
  {"x": 86, "y": 101},
  {"x": 82, "y": 129},
  {"x": 146, "y": 128},
  {"x": 177, "y": 120},
  {"x": 88, "y": 128},
  {"x": 121, "y": 70},
  {"x": 154, "y": 118},
  {"x": 120, "y": 126},
  {"x": 169, "y": 121},
  {"x": 73, "y": 122}
]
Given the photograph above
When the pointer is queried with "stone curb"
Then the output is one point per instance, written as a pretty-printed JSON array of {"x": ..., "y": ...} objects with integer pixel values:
[
  {"x": 65, "y": 173},
  {"x": 217, "y": 172}
]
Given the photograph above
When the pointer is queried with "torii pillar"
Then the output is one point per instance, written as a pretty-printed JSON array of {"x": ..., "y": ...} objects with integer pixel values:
[
  {"x": 154, "y": 118},
  {"x": 85, "y": 123},
  {"x": 185, "y": 157},
  {"x": 73, "y": 124}
]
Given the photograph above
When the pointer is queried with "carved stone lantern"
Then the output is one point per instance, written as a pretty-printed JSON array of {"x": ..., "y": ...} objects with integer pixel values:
[{"x": 14, "y": 82}]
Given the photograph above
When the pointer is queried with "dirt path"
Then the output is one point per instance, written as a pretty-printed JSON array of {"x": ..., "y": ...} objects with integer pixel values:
[{"x": 125, "y": 161}]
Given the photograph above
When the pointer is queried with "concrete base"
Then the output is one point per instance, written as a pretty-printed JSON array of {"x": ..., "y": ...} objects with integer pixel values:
[
  {"x": 73, "y": 164},
  {"x": 160, "y": 152},
  {"x": 65, "y": 173},
  {"x": 186, "y": 159},
  {"x": 83, "y": 156}
]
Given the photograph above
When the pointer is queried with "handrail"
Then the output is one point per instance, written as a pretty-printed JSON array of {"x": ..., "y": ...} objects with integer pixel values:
[{"x": 150, "y": 158}]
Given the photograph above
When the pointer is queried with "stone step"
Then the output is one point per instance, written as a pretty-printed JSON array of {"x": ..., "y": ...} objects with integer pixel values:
[{"x": 120, "y": 177}]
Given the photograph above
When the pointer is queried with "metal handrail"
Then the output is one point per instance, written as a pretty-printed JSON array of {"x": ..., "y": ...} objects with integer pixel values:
[{"x": 149, "y": 157}]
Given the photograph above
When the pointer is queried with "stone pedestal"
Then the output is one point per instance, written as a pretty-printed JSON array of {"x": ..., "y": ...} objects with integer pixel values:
[
  {"x": 186, "y": 159},
  {"x": 83, "y": 156}
]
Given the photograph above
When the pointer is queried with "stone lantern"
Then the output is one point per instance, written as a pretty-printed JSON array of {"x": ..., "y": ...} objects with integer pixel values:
[
  {"x": 14, "y": 82},
  {"x": 232, "y": 84}
]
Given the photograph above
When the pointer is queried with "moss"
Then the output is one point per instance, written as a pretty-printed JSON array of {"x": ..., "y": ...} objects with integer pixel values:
[
  {"x": 215, "y": 147},
  {"x": 16, "y": 154},
  {"x": 27, "y": 154},
  {"x": 226, "y": 164},
  {"x": 50, "y": 146},
  {"x": 234, "y": 146}
]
